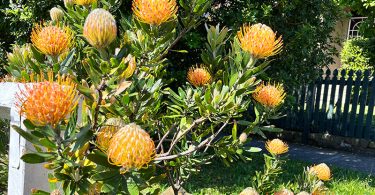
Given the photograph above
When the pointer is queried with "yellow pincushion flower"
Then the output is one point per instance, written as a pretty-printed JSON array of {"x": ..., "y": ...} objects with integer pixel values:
[
  {"x": 106, "y": 133},
  {"x": 51, "y": 40},
  {"x": 199, "y": 76},
  {"x": 322, "y": 171},
  {"x": 85, "y": 2},
  {"x": 131, "y": 147},
  {"x": 154, "y": 12},
  {"x": 269, "y": 95},
  {"x": 259, "y": 40},
  {"x": 100, "y": 28},
  {"x": 277, "y": 147},
  {"x": 47, "y": 102}
]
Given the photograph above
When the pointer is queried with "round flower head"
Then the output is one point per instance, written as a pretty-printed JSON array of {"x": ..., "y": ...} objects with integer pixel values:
[
  {"x": 51, "y": 40},
  {"x": 276, "y": 147},
  {"x": 269, "y": 95},
  {"x": 249, "y": 191},
  {"x": 106, "y": 133},
  {"x": 243, "y": 138},
  {"x": 259, "y": 40},
  {"x": 100, "y": 28},
  {"x": 154, "y": 12},
  {"x": 84, "y": 2},
  {"x": 56, "y": 14},
  {"x": 322, "y": 171},
  {"x": 131, "y": 147},
  {"x": 46, "y": 102},
  {"x": 199, "y": 76}
]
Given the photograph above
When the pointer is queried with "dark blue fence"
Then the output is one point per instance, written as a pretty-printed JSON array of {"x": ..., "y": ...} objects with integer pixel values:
[{"x": 340, "y": 104}]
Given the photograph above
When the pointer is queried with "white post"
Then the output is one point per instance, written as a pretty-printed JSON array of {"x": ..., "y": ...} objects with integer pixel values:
[{"x": 22, "y": 177}]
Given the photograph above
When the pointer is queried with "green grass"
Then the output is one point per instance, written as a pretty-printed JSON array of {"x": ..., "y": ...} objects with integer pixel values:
[{"x": 218, "y": 179}]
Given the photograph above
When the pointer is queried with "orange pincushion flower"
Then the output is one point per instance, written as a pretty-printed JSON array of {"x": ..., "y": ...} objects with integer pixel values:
[
  {"x": 51, "y": 40},
  {"x": 259, "y": 40},
  {"x": 276, "y": 147},
  {"x": 269, "y": 95},
  {"x": 85, "y": 2},
  {"x": 154, "y": 12},
  {"x": 46, "y": 102},
  {"x": 322, "y": 171},
  {"x": 199, "y": 76},
  {"x": 100, "y": 28},
  {"x": 131, "y": 147}
]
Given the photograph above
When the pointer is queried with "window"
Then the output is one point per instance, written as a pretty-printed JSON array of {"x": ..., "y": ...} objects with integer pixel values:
[{"x": 353, "y": 29}]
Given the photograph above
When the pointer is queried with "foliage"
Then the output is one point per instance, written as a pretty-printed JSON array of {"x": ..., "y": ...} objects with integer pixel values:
[
  {"x": 216, "y": 179},
  {"x": 4, "y": 140},
  {"x": 358, "y": 54},
  {"x": 364, "y": 8},
  {"x": 308, "y": 41},
  {"x": 119, "y": 69}
]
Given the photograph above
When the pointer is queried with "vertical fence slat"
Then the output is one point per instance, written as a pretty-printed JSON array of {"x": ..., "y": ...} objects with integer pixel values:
[
  {"x": 353, "y": 113},
  {"x": 371, "y": 104},
  {"x": 362, "y": 103},
  {"x": 332, "y": 101},
  {"x": 316, "y": 119},
  {"x": 295, "y": 110},
  {"x": 309, "y": 112},
  {"x": 348, "y": 92},
  {"x": 323, "y": 116},
  {"x": 337, "y": 127},
  {"x": 302, "y": 111}
]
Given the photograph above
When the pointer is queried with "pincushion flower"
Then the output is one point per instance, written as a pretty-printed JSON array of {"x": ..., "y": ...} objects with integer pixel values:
[
  {"x": 51, "y": 40},
  {"x": 47, "y": 102},
  {"x": 277, "y": 147},
  {"x": 269, "y": 95},
  {"x": 322, "y": 171},
  {"x": 84, "y": 2},
  {"x": 100, "y": 28},
  {"x": 199, "y": 76},
  {"x": 154, "y": 12},
  {"x": 131, "y": 147},
  {"x": 56, "y": 14},
  {"x": 106, "y": 133},
  {"x": 259, "y": 40}
]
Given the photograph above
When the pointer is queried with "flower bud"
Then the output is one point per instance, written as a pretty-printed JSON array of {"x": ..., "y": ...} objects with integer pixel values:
[
  {"x": 243, "y": 138},
  {"x": 56, "y": 14},
  {"x": 69, "y": 3},
  {"x": 100, "y": 28}
]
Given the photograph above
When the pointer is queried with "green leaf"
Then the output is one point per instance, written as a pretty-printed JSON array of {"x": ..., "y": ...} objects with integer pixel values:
[
  {"x": 39, "y": 157},
  {"x": 100, "y": 158},
  {"x": 28, "y": 136},
  {"x": 253, "y": 149},
  {"x": 28, "y": 124},
  {"x": 68, "y": 60},
  {"x": 234, "y": 131},
  {"x": 105, "y": 175},
  {"x": 85, "y": 134}
]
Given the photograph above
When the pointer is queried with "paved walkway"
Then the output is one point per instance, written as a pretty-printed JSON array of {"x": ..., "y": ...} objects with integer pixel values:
[{"x": 358, "y": 162}]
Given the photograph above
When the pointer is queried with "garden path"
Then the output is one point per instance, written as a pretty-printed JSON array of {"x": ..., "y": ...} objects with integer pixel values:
[{"x": 356, "y": 161}]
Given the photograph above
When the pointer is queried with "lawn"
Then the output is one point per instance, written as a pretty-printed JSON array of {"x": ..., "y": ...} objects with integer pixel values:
[{"x": 219, "y": 179}]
